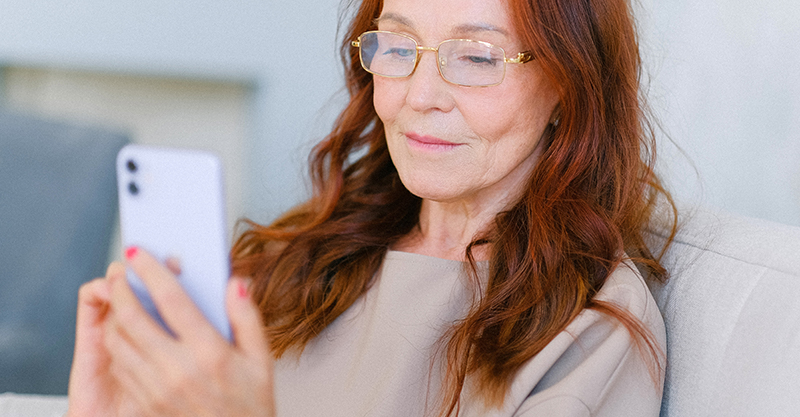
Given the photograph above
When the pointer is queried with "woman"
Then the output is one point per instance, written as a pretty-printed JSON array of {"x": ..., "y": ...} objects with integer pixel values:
[{"x": 468, "y": 249}]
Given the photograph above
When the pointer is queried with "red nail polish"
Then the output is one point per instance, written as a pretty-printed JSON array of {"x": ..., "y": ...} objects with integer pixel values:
[
  {"x": 242, "y": 290},
  {"x": 131, "y": 252}
]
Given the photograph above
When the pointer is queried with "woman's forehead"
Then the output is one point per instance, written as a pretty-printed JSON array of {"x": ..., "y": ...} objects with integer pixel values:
[{"x": 453, "y": 17}]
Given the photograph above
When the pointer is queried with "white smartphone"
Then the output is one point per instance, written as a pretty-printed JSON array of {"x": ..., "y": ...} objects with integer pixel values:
[{"x": 171, "y": 204}]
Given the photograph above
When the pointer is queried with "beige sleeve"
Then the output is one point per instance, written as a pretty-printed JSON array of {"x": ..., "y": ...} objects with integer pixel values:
[
  {"x": 594, "y": 368},
  {"x": 562, "y": 405}
]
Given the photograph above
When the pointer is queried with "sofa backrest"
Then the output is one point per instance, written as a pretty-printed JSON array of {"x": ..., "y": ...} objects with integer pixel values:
[
  {"x": 732, "y": 314},
  {"x": 57, "y": 210}
]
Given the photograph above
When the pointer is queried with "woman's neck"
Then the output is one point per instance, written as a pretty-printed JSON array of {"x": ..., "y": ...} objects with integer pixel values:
[{"x": 446, "y": 229}]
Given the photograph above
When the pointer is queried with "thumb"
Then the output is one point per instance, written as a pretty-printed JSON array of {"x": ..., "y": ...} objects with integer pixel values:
[{"x": 245, "y": 319}]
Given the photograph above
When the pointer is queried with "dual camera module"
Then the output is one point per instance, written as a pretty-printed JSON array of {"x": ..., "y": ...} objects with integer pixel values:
[{"x": 133, "y": 188}]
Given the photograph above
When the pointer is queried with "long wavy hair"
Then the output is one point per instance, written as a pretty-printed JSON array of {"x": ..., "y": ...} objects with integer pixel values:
[{"x": 586, "y": 206}]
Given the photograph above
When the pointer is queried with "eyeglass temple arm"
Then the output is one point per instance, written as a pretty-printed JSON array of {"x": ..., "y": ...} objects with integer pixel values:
[{"x": 521, "y": 58}]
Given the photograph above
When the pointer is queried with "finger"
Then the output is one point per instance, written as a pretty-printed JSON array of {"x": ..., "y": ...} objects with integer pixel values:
[
  {"x": 133, "y": 400},
  {"x": 115, "y": 270},
  {"x": 130, "y": 370},
  {"x": 126, "y": 407},
  {"x": 173, "y": 265},
  {"x": 93, "y": 301},
  {"x": 89, "y": 357},
  {"x": 245, "y": 319},
  {"x": 175, "y": 306},
  {"x": 154, "y": 387},
  {"x": 138, "y": 371},
  {"x": 94, "y": 297},
  {"x": 130, "y": 320}
]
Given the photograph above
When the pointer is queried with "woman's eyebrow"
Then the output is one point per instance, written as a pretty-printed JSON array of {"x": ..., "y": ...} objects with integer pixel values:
[
  {"x": 479, "y": 27},
  {"x": 466, "y": 28},
  {"x": 395, "y": 18}
]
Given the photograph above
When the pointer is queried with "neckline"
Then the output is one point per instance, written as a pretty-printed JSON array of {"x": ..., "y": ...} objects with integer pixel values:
[{"x": 393, "y": 253}]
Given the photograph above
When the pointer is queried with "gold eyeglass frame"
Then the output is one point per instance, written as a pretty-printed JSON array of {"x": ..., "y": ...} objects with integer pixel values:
[{"x": 521, "y": 58}]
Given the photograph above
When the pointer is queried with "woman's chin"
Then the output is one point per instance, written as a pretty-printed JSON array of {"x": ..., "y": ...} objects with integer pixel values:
[{"x": 433, "y": 190}]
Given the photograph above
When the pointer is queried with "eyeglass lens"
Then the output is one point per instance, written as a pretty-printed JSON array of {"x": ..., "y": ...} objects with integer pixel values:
[{"x": 462, "y": 62}]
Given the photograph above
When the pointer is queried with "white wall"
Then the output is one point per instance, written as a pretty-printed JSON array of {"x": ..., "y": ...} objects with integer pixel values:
[{"x": 724, "y": 81}]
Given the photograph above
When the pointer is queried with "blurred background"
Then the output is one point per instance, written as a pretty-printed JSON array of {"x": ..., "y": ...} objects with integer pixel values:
[{"x": 259, "y": 82}]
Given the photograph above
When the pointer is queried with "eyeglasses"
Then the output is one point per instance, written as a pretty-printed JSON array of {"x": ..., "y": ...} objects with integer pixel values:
[{"x": 460, "y": 61}]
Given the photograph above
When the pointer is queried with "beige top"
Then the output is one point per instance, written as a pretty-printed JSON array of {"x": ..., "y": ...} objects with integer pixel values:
[{"x": 375, "y": 359}]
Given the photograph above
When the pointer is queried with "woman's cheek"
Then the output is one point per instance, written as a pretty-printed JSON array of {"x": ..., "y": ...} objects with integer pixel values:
[{"x": 387, "y": 98}]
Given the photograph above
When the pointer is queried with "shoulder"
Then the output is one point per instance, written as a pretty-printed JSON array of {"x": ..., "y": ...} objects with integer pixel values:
[
  {"x": 594, "y": 367},
  {"x": 626, "y": 288}
]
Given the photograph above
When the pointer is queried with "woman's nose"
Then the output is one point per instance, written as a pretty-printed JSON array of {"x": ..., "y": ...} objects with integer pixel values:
[{"x": 427, "y": 90}]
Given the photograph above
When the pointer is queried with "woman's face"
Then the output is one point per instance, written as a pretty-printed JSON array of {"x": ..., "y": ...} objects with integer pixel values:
[{"x": 461, "y": 144}]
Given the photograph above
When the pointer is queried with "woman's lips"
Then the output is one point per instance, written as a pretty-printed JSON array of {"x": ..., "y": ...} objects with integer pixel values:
[{"x": 429, "y": 142}]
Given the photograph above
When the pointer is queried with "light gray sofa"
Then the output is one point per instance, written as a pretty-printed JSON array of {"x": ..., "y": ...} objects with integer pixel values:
[
  {"x": 57, "y": 211},
  {"x": 732, "y": 311}
]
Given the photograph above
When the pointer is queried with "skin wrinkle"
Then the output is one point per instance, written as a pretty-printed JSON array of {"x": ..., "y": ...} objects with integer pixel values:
[
  {"x": 466, "y": 28},
  {"x": 497, "y": 131}
]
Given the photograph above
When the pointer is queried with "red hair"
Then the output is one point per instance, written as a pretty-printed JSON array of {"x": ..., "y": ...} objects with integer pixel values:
[{"x": 588, "y": 201}]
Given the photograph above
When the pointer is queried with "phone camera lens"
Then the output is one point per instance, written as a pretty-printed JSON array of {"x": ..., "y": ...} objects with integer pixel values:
[
  {"x": 133, "y": 188},
  {"x": 131, "y": 165}
]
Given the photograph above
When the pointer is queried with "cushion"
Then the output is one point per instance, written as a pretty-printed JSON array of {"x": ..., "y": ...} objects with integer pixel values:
[
  {"x": 57, "y": 210},
  {"x": 732, "y": 314}
]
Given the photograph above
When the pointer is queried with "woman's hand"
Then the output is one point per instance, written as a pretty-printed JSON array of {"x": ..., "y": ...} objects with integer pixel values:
[
  {"x": 146, "y": 371},
  {"x": 92, "y": 389}
]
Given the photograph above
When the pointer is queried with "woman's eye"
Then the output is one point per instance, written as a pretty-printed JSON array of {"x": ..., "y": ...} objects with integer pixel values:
[
  {"x": 480, "y": 60},
  {"x": 403, "y": 52}
]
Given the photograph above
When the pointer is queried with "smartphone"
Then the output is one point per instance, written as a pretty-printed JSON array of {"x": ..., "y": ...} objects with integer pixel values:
[{"x": 171, "y": 204}]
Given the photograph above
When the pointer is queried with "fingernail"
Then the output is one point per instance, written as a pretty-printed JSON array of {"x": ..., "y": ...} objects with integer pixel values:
[
  {"x": 242, "y": 289},
  {"x": 131, "y": 252}
]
